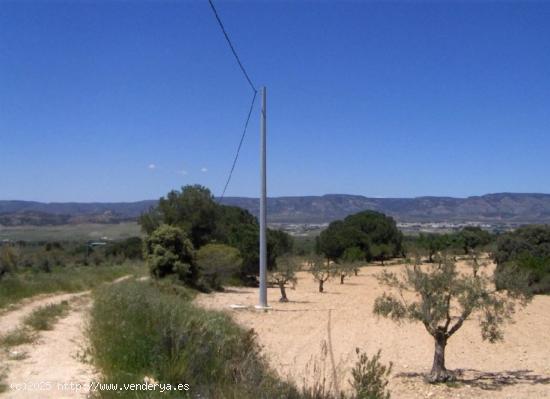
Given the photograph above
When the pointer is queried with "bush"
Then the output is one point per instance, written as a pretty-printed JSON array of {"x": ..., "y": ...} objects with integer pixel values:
[
  {"x": 168, "y": 251},
  {"x": 45, "y": 317},
  {"x": 217, "y": 263},
  {"x": 8, "y": 260},
  {"x": 370, "y": 377},
  {"x": 130, "y": 248}
]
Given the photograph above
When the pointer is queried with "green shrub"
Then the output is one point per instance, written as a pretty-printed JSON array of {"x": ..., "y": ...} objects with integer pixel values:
[
  {"x": 370, "y": 377},
  {"x": 138, "y": 329},
  {"x": 217, "y": 263},
  {"x": 45, "y": 317},
  {"x": 130, "y": 248},
  {"x": 167, "y": 250},
  {"x": 19, "y": 336},
  {"x": 8, "y": 260}
]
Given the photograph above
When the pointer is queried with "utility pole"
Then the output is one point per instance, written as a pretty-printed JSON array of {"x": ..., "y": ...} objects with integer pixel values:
[{"x": 263, "y": 206}]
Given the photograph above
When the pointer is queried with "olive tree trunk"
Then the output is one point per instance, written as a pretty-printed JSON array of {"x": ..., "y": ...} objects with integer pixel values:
[
  {"x": 439, "y": 373},
  {"x": 342, "y": 277},
  {"x": 283, "y": 292},
  {"x": 321, "y": 282}
]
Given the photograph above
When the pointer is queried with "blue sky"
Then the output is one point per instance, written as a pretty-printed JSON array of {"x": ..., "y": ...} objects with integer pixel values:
[{"x": 122, "y": 101}]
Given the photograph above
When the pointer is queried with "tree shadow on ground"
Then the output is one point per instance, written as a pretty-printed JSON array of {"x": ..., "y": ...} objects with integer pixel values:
[
  {"x": 491, "y": 381},
  {"x": 237, "y": 291}
]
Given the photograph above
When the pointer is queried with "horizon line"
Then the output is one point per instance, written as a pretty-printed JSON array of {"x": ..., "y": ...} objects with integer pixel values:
[{"x": 290, "y": 196}]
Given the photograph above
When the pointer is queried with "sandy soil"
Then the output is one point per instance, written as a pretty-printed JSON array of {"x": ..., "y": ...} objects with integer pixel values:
[{"x": 294, "y": 334}]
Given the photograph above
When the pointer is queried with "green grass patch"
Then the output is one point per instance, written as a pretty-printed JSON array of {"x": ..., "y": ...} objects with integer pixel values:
[
  {"x": 146, "y": 329},
  {"x": 17, "y": 337},
  {"x": 18, "y": 286},
  {"x": 45, "y": 317}
]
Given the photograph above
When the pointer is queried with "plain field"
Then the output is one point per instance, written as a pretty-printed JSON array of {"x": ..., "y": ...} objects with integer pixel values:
[
  {"x": 341, "y": 319},
  {"x": 77, "y": 232}
]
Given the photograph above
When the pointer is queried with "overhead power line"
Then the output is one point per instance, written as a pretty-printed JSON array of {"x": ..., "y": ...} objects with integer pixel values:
[
  {"x": 232, "y": 47},
  {"x": 239, "y": 146},
  {"x": 247, "y": 77}
]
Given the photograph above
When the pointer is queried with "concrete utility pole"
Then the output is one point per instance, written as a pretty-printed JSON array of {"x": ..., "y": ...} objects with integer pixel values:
[{"x": 263, "y": 206}]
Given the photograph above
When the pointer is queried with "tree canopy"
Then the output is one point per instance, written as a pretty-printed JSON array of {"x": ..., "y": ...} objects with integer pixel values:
[
  {"x": 473, "y": 237},
  {"x": 204, "y": 221},
  {"x": 525, "y": 252},
  {"x": 374, "y": 233}
]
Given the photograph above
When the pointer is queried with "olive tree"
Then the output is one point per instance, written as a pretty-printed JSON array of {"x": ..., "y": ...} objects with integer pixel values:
[
  {"x": 433, "y": 243},
  {"x": 284, "y": 273},
  {"x": 442, "y": 298},
  {"x": 321, "y": 269},
  {"x": 345, "y": 269}
]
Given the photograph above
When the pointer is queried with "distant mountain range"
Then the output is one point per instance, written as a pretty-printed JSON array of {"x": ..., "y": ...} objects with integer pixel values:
[
  {"x": 502, "y": 208},
  {"x": 15, "y": 213}
]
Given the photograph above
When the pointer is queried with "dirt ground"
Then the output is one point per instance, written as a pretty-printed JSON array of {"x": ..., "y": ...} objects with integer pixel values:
[{"x": 294, "y": 334}]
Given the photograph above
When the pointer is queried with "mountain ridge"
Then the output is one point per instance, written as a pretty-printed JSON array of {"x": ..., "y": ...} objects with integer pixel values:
[{"x": 503, "y": 208}]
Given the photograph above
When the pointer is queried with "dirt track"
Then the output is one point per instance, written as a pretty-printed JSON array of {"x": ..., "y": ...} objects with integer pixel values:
[
  {"x": 55, "y": 359},
  {"x": 341, "y": 319}
]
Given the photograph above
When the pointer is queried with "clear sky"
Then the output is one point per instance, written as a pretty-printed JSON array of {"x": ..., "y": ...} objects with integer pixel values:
[{"x": 125, "y": 100}]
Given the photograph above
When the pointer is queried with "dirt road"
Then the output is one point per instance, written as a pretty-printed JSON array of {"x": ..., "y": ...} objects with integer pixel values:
[
  {"x": 52, "y": 367},
  {"x": 53, "y": 362}
]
